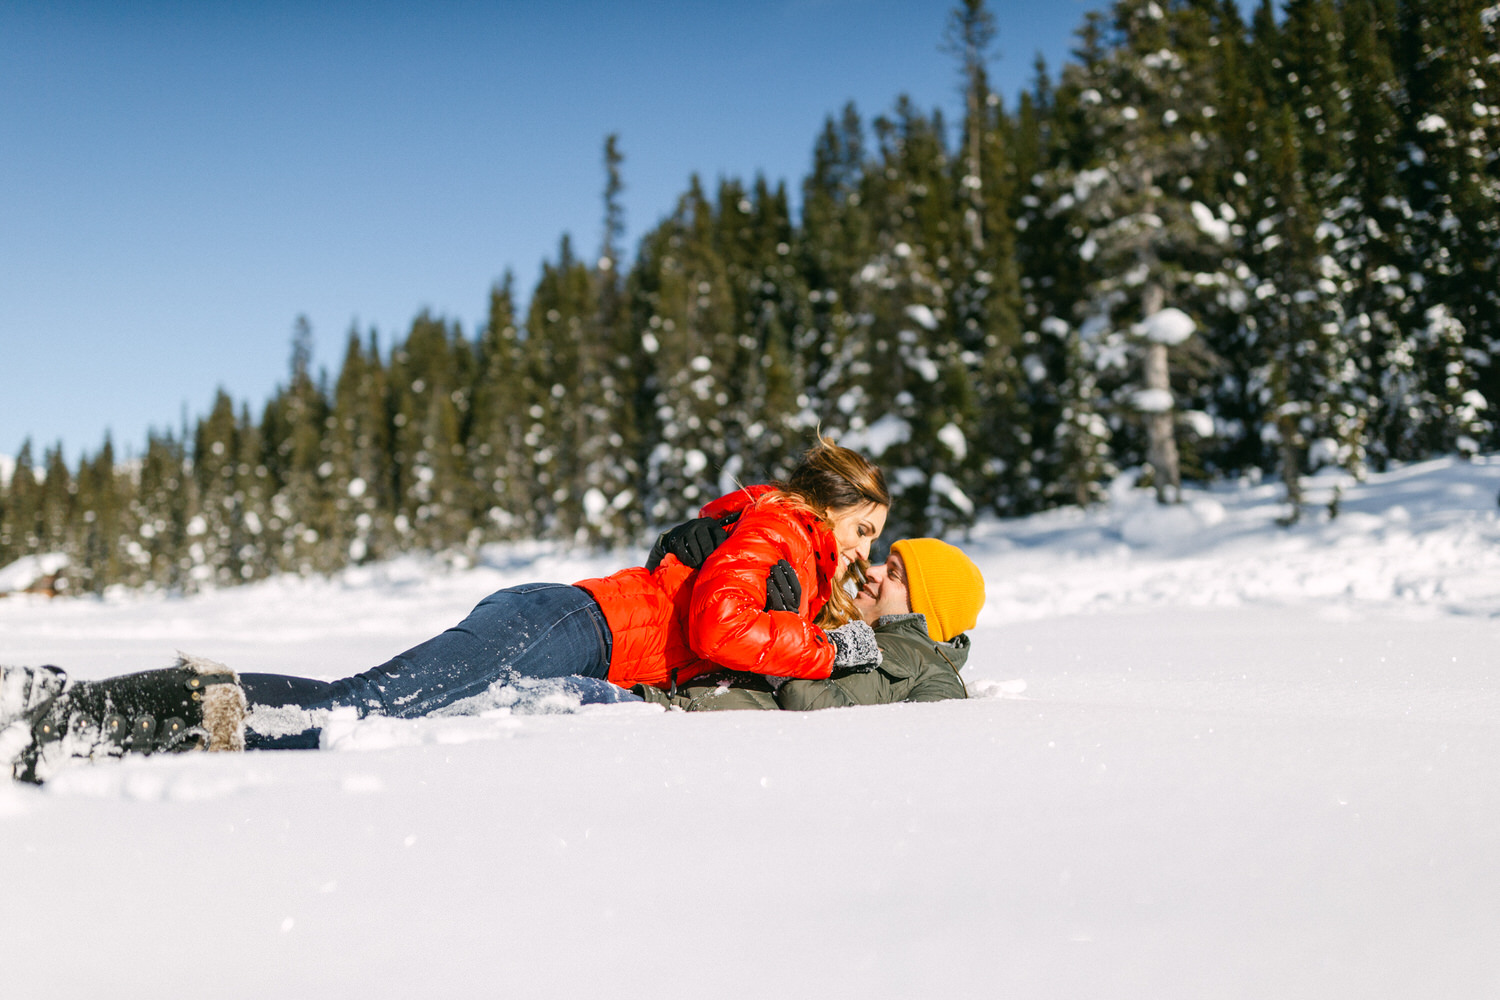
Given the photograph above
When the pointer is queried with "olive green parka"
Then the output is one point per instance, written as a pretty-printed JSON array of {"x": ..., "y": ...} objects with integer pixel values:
[{"x": 913, "y": 667}]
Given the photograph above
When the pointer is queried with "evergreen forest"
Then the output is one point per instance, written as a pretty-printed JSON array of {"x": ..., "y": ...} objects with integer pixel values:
[{"x": 1207, "y": 246}]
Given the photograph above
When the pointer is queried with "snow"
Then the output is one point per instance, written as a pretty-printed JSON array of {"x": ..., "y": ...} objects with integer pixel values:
[
  {"x": 944, "y": 486},
  {"x": 922, "y": 316},
  {"x": 1208, "y": 756},
  {"x": 953, "y": 439},
  {"x": 879, "y": 437},
  {"x": 30, "y": 569},
  {"x": 1209, "y": 223},
  {"x": 1152, "y": 400},
  {"x": 1200, "y": 423},
  {"x": 1170, "y": 326}
]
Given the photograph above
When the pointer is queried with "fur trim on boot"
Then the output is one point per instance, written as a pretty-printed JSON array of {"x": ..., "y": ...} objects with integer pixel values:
[
  {"x": 224, "y": 705},
  {"x": 196, "y": 704}
]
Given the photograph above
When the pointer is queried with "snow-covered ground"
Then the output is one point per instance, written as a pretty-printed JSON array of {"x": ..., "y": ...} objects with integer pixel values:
[{"x": 1207, "y": 757}]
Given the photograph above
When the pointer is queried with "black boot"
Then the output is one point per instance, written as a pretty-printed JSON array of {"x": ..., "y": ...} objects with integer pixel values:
[{"x": 195, "y": 705}]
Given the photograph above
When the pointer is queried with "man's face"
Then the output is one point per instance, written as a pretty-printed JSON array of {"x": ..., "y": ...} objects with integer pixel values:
[{"x": 884, "y": 592}]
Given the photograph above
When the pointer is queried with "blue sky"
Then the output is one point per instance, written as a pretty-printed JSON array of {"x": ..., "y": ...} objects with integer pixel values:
[{"x": 179, "y": 181}]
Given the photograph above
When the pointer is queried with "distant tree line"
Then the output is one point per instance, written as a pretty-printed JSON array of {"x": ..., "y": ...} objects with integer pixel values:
[{"x": 1206, "y": 248}]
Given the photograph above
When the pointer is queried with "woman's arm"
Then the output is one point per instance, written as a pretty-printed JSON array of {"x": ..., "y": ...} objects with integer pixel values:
[{"x": 727, "y": 620}]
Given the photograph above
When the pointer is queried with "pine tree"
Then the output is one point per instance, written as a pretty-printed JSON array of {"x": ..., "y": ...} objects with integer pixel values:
[
  {"x": 57, "y": 501},
  {"x": 562, "y": 355},
  {"x": 359, "y": 451},
  {"x": 159, "y": 516},
  {"x": 431, "y": 376},
  {"x": 498, "y": 445},
  {"x": 1452, "y": 136},
  {"x": 20, "y": 517},
  {"x": 94, "y": 550},
  {"x": 685, "y": 309},
  {"x": 1149, "y": 235},
  {"x": 904, "y": 392},
  {"x": 293, "y": 431},
  {"x": 607, "y": 474},
  {"x": 988, "y": 377},
  {"x": 1295, "y": 314},
  {"x": 837, "y": 239},
  {"x": 219, "y": 502},
  {"x": 1368, "y": 220},
  {"x": 1063, "y": 453},
  {"x": 766, "y": 416}
]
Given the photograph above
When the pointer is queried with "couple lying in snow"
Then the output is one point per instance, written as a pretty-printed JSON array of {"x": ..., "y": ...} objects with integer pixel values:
[{"x": 760, "y": 603}]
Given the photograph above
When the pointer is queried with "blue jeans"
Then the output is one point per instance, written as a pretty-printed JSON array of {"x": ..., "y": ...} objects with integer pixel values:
[{"x": 537, "y": 630}]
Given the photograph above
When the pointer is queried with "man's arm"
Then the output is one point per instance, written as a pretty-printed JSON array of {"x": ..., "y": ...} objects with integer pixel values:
[{"x": 938, "y": 685}]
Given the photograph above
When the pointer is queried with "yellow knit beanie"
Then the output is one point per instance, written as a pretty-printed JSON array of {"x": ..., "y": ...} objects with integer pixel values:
[{"x": 945, "y": 585}]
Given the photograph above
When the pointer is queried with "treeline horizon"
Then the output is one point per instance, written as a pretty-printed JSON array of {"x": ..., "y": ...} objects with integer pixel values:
[{"x": 1206, "y": 246}]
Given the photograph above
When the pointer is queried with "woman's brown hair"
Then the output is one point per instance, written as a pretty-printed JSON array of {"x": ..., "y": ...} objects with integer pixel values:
[{"x": 830, "y": 477}]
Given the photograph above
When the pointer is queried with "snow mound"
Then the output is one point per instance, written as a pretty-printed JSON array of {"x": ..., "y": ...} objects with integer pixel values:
[
  {"x": 28, "y": 570},
  {"x": 1159, "y": 524}
]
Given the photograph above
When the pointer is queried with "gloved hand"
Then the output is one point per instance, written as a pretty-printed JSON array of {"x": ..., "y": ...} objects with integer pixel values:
[
  {"x": 692, "y": 542},
  {"x": 783, "y": 589},
  {"x": 854, "y": 647}
]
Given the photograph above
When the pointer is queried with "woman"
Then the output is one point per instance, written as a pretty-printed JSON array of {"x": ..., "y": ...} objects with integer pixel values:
[{"x": 655, "y": 626}]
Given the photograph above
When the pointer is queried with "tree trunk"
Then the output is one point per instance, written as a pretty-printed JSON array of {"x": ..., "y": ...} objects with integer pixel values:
[{"x": 1161, "y": 442}]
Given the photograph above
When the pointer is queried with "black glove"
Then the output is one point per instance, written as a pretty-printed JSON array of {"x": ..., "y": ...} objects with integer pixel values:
[
  {"x": 693, "y": 541},
  {"x": 783, "y": 589},
  {"x": 854, "y": 647}
]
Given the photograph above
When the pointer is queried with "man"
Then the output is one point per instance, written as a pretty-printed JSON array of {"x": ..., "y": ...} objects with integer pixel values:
[{"x": 920, "y": 604}]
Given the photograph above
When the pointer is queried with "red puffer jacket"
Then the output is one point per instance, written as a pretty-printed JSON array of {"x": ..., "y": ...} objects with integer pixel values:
[{"x": 673, "y": 623}]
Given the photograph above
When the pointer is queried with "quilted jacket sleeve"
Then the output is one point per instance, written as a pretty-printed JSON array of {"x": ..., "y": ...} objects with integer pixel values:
[{"x": 727, "y": 620}]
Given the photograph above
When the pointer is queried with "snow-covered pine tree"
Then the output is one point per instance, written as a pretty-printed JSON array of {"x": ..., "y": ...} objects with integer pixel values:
[
  {"x": 904, "y": 392},
  {"x": 561, "y": 354},
  {"x": 766, "y": 416},
  {"x": 985, "y": 347},
  {"x": 1071, "y": 456},
  {"x": 216, "y": 529},
  {"x": 431, "y": 376},
  {"x": 21, "y": 510},
  {"x": 94, "y": 550},
  {"x": 1367, "y": 222},
  {"x": 500, "y": 455},
  {"x": 1295, "y": 314},
  {"x": 257, "y": 559},
  {"x": 293, "y": 428},
  {"x": 158, "y": 517},
  {"x": 607, "y": 471},
  {"x": 359, "y": 447},
  {"x": 1452, "y": 131},
  {"x": 57, "y": 500},
  {"x": 1147, "y": 100},
  {"x": 682, "y": 302}
]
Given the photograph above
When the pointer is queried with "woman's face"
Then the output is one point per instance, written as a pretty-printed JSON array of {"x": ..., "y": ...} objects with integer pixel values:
[{"x": 854, "y": 528}]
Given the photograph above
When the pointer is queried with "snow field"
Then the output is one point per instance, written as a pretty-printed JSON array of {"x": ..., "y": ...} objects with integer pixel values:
[{"x": 1214, "y": 757}]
